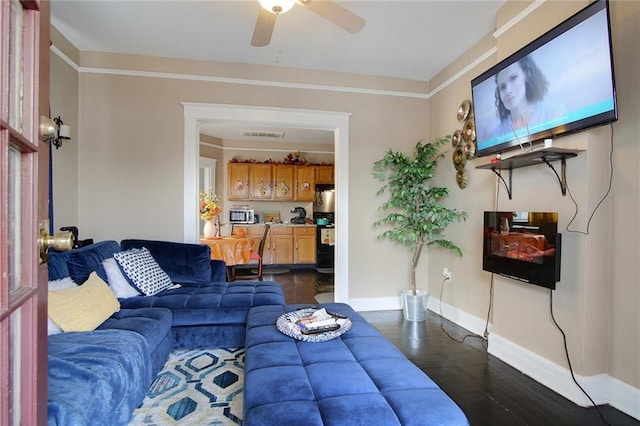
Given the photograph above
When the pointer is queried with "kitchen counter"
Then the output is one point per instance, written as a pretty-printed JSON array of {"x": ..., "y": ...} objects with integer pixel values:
[
  {"x": 286, "y": 243},
  {"x": 275, "y": 224}
]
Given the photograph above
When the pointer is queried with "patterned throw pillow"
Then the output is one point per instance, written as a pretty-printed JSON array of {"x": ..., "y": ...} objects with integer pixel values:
[{"x": 142, "y": 271}]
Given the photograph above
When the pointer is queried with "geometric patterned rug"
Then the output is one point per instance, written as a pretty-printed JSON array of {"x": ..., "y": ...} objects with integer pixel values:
[{"x": 195, "y": 387}]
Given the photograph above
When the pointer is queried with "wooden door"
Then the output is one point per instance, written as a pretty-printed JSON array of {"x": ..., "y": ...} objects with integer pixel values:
[
  {"x": 305, "y": 183},
  {"x": 260, "y": 178},
  {"x": 23, "y": 200},
  {"x": 283, "y": 183},
  {"x": 238, "y": 181}
]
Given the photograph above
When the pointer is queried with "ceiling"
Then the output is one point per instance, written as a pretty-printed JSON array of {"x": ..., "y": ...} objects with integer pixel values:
[{"x": 405, "y": 39}]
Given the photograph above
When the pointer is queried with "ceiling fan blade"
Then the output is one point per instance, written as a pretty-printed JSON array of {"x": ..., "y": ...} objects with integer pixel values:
[
  {"x": 336, "y": 14},
  {"x": 264, "y": 28}
]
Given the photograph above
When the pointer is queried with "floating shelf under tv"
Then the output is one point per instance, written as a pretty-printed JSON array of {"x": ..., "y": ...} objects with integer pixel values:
[{"x": 543, "y": 156}]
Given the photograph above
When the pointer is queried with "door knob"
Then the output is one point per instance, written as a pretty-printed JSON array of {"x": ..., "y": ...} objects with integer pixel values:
[
  {"x": 61, "y": 241},
  {"x": 48, "y": 129}
]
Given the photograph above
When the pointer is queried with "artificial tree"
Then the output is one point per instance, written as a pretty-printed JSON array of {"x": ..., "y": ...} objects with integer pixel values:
[{"x": 415, "y": 211}]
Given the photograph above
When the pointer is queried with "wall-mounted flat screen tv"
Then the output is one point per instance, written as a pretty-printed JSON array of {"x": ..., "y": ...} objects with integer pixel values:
[
  {"x": 560, "y": 83},
  {"x": 524, "y": 246}
]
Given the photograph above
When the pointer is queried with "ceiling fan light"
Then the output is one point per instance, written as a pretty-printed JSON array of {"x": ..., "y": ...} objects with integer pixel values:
[{"x": 277, "y": 6}]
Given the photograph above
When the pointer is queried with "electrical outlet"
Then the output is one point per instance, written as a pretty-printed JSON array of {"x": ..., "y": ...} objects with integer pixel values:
[{"x": 446, "y": 273}]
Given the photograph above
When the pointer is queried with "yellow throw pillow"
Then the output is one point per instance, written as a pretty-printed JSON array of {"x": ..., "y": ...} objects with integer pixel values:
[{"x": 83, "y": 308}]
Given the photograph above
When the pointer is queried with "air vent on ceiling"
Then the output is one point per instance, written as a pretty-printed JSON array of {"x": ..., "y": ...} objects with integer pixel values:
[{"x": 262, "y": 134}]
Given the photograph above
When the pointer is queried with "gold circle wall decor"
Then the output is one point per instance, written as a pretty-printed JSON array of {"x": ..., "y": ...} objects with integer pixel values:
[
  {"x": 469, "y": 149},
  {"x": 462, "y": 178},
  {"x": 469, "y": 130},
  {"x": 459, "y": 158},
  {"x": 456, "y": 139},
  {"x": 464, "y": 142},
  {"x": 463, "y": 110}
]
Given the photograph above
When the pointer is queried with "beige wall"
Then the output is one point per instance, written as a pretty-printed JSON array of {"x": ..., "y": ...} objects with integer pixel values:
[
  {"x": 597, "y": 298},
  {"x": 130, "y": 150},
  {"x": 130, "y": 184},
  {"x": 64, "y": 103}
]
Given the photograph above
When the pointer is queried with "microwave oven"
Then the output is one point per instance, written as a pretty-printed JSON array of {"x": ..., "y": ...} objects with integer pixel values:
[{"x": 241, "y": 216}]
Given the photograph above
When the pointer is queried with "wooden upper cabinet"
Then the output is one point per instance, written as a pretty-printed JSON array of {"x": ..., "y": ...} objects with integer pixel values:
[
  {"x": 281, "y": 182},
  {"x": 284, "y": 183},
  {"x": 238, "y": 181},
  {"x": 324, "y": 175},
  {"x": 260, "y": 179},
  {"x": 305, "y": 183}
]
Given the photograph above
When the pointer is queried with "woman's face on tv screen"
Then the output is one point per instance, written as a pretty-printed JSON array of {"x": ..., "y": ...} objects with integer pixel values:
[{"x": 511, "y": 85}]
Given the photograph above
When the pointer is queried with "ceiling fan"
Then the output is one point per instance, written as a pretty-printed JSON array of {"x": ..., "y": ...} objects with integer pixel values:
[{"x": 329, "y": 10}]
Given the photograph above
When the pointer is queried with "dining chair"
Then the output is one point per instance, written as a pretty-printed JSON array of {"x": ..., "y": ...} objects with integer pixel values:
[{"x": 255, "y": 261}]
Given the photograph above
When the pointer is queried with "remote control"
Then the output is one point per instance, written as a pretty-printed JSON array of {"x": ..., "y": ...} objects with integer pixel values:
[
  {"x": 336, "y": 315},
  {"x": 304, "y": 308},
  {"x": 318, "y": 330}
]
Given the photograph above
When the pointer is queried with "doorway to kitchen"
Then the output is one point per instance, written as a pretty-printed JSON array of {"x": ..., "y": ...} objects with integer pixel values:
[{"x": 337, "y": 122}]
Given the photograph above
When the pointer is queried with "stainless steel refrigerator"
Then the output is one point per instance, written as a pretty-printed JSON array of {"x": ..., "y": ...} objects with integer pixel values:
[
  {"x": 325, "y": 199},
  {"x": 324, "y": 210}
]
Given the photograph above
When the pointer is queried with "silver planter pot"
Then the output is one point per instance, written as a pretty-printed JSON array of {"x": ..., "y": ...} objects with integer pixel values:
[{"x": 414, "y": 307}]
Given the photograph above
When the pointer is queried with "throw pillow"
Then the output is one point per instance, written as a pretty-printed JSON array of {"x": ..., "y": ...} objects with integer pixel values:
[
  {"x": 58, "y": 285},
  {"x": 118, "y": 282},
  {"x": 83, "y": 308},
  {"x": 143, "y": 271}
]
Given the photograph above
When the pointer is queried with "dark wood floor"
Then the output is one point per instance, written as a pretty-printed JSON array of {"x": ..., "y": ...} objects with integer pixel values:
[{"x": 489, "y": 391}]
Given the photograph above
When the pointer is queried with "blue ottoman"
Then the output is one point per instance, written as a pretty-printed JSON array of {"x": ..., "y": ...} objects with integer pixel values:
[{"x": 359, "y": 378}]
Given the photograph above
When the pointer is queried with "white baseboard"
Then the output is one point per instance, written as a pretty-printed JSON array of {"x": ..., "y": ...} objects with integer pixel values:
[
  {"x": 473, "y": 324},
  {"x": 376, "y": 304},
  {"x": 470, "y": 322},
  {"x": 602, "y": 388}
]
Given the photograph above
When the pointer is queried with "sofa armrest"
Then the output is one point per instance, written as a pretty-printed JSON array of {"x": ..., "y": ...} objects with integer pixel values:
[
  {"x": 218, "y": 271},
  {"x": 79, "y": 263}
]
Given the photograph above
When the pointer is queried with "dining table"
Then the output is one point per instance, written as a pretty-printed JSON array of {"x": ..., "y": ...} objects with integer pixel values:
[{"x": 234, "y": 250}]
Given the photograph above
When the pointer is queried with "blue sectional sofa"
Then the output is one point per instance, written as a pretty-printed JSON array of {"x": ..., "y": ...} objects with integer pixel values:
[
  {"x": 100, "y": 377},
  {"x": 359, "y": 378}
]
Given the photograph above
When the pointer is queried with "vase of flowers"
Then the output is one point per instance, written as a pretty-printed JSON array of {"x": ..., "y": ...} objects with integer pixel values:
[{"x": 209, "y": 212}]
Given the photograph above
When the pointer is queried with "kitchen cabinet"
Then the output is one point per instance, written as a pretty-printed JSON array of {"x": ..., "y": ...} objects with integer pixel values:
[
  {"x": 285, "y": 245},
  {"x": 324, "y": 175},
  {"x": 280, "y": 247},
  {"x": 305, "y": 183},
  {"x": 277, "y": 182},
  {"x": 283, "y": 183},
  {"x": 238, "y": 181},
  {"x": 304, "y": 241},
  {"x": 260, "y": 178}
]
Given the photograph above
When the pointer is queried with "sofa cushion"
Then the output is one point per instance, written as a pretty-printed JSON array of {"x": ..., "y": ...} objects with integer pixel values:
[
  {"x": 183, "y": 262},
  {"x": 97, "y": 377},
  {"x": 142, "y": 271},
  {"x": 152, "y": 323},
  {"x": 85, "y": 260},
  {"x": 357, "y": 378},
  {"x": 82, "y": 308},
  {"x": 211, "y": 303}
]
